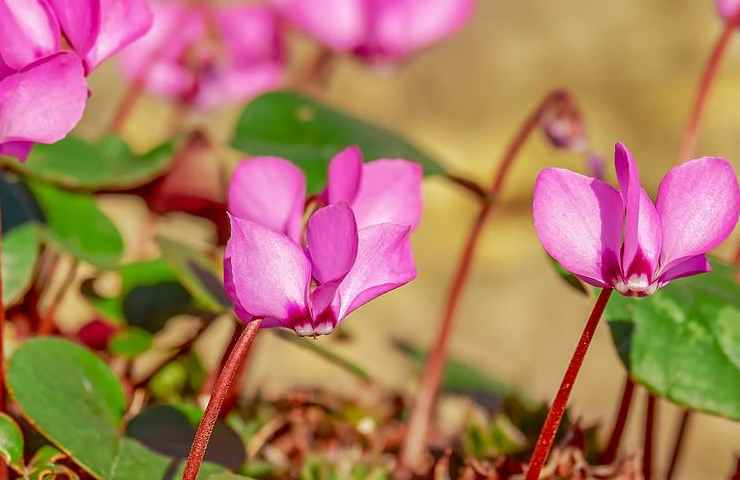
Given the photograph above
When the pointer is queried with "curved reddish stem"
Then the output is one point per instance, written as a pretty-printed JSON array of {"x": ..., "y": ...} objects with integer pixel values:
[
  {"x": 415, "y": 440},
  {"x": 688, "y": 142},
  {"x": 612, "y": 446},
  {"x": 651, "y": 409},
  {"x": 220, "y": 392},
  {"x": 555, "y": 415}
]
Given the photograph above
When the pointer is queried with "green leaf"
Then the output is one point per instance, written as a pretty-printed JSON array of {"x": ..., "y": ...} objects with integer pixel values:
[
  {"x": 20, "y": 250},
  {"x": 309, "y": 134},
  {"x": 131, "y": 342},
  {"x": 197, "y": 274},
  {"x": 76, "y": 224},
  {"x": 11, "y": 442},
  {"x": 332, "y": 357},
  {"x": 75, "y": 400},
  {"x": 683, "y": 342},
  {"x": 107, "y": 164}
]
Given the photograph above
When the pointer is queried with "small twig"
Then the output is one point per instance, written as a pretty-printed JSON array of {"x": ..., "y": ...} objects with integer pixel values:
[{"x": 220, "y": 392}]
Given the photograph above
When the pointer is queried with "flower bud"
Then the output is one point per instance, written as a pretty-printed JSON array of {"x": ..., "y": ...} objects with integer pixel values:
[{"x": 563, "y": 126}]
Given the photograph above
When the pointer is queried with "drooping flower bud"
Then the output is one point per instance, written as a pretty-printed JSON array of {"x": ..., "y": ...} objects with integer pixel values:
[{"x": 563, "y": 126}]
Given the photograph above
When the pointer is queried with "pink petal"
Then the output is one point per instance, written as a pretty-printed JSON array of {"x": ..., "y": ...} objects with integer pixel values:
[
  {"x": 43, "y": 102},
  {"x": 691, "y": 266},
  {"x": 227, "y": 85},
  {"x": 30, "y": 31},
  {"x": 331, "y": 237},
  {"x": 698, "y": 203},
  {"x": 390, "y": 192},
  {"x": 727, "y": 8},
  {"x": 157, "y": 56},
  {"x": 642, "y": 233},
  {"x": 122, "y": 22},
  {"x": 269, "y": 274},
  {"x": 19, "y": 150},
  {"x": 384, "y": 262},
  {"x": 270, "y": 191},
  {"x": 402, "y": 26},
  {"x": 339, "y": 24},
  {"x": 345, "y": 174},
  {"x": 80, "y": 20},
  {"x": 251, "y": 34},
  {"x": 578, "y": 219}
]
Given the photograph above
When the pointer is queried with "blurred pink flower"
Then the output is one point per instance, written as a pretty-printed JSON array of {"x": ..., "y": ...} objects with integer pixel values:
[
  {"x": 208, "y": 56},
  {"x": 377, "y": 30},
  {"x": 727, "y": 8},
  {"x": 353, "y": 249},
  {"x": 42, "y": 86},
  {"x": 620, "y": 239}
]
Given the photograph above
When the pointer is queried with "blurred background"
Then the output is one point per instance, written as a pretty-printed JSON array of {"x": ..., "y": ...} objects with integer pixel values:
[{"x": 632, "y": 66}]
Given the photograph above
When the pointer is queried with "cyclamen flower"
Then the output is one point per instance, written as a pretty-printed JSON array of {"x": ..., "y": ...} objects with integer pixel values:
[
  {"x": 378, "y": 30},
  {"x": 42, "y": 86},
  {"x": 352, "y": 250},
  {"x": 727, "y": 8},
  {"x": 208, "y": 56},
  {"x": 620, "y": 239}
]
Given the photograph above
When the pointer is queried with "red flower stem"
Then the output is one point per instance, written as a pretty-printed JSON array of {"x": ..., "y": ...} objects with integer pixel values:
[
  {"x": 555, "y": 415},
  {"x": 679, "y": 443},
  {"x": 688, "y": 141},
  {"x": 421, "y": 413},
  {"x": 220, "y": 391},
  {"x": 648, "y": 442},
  {"x": 736, "y": 475},
  {"x": 612, "y": 447}
]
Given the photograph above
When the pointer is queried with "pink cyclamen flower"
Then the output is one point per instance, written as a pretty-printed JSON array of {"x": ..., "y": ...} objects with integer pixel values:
[
  {"x": 208, "y": 56},
  {"x": 353, "y": 249},
  {"x": 43, "y": 90},
  {"x": 377, "y": 30},
  {"x": 727, "y": 8},
  {"x": 620, "y": 238}
]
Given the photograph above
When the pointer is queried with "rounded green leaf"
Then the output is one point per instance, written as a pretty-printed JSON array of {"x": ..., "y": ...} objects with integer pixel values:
[
  {"x": 11, "y": 442},
  {"x": 107, "y": 164},
  {"x": 20, "y": 250},
  {"x": 71, "y": 397},
  {"x": 131, "y": 342},
  {"x": 683, "y": 342},
  {"x": 309, "y": 134},
  {"x": 74, "y": 223}
]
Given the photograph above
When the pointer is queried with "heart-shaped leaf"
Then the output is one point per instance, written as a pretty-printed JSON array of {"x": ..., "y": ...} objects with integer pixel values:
[
  {"x": 196, "y": 273},
  {"x": 108, "y": 164},
  {"x": 75, "y": 400},
  {"x": 309, "y": 134},
  {"x": 20, "y": 251},
  {"x": 74, "y": 223},
  {"x": 683, "y": 342},
  {"x": 11, "y": 442}
]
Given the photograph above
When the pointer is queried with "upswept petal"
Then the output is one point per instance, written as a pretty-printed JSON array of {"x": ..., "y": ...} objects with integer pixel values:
[
  {"x": 384, "y": 262},
  {"x": 698, "y": 203},
  {"x": 230, "y": 289},
  {"x": 578, "y": 220},
  {"x": 690, "y": 266},
  {"x": 390, "y": 192},
  {"x": 270, "y": 191},
  {"x": 642, "y": 234},
  {"x": 30, "y": 31},
  {"x": 234, "y": 85},
  {"x": 80, "y": 21},
  {"x": 401, "y": 26},
  {"x": 331, "y": 238},
  {"x": 250, "y": 33},
  {"x": 269, "y": 274},
  {"x": 122, "y": 22},
  {"x": 43, "y": 102},
  {"x": 340, "y": 24},
  {"x": 345, "y": 174}
]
